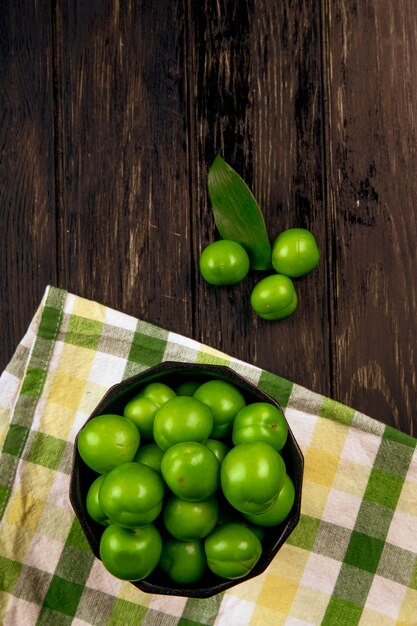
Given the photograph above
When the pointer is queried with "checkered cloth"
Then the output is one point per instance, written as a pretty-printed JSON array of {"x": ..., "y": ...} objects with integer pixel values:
[{"x": 351, "y": 560}]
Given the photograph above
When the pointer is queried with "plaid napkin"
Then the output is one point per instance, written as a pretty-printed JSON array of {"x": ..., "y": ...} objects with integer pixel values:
[{"x": 351, "y": 560}]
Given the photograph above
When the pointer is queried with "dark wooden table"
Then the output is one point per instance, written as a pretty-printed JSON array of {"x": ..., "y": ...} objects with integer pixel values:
[{"x": 110, "y": 115}]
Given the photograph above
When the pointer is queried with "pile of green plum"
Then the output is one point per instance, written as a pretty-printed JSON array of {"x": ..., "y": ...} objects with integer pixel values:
[
  {"x": 294, "y": 254},
  {"x": 188, "y": 479}
]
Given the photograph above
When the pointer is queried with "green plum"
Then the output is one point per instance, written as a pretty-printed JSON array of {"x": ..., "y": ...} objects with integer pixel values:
[
  {"x": 184, "y": 561},
  {"x": 143, "y": 407},
  {"x": 191, "y": 471},
  {"x": 260, "y": 421},
  {"x": 187, "y": 388},
  {"x": 232, "y": 550},
  {"x": 219, "y": 448},
  {"x": 187, "y": 521},
  {"x": 224, "y": 262},
  {"x": 274, "y": 297},
  {"x": 132, "y": 495},
  {"x": 182, "y": 419},
  {"x": 106, "y": 441},
  {"x": 295, "y": 252},
  {"x": 151, "y": 455},
  {"x": 93, "y": 503},
  {"x": 228, "y": 514},
  {"x": 252, "y": 475},
  {"x": 130, "y": 553},
  {"x": 279, "y": 510},
  {"x": 257, "y": 530},
  {"x": 224, "y": 400}
]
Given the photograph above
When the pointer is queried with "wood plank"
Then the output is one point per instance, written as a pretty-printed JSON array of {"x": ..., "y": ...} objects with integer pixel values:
[
  {"x": 124, "y": 220},
  {"x": 371, "y": 49},
  {"x": 145, "y": 95},
  {"x": 256, "y": 93},
  {"x": 27, "y": 219}
]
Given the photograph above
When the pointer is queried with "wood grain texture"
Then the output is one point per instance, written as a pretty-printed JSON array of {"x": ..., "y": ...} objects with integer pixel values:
[
  {"x": 288, "y": 162},
  {"x": 372, "y": 191},
  {"x": 124, "y": 220},
  {"x": 256, "y": 94},
  {"x": 27, "y": 189}
]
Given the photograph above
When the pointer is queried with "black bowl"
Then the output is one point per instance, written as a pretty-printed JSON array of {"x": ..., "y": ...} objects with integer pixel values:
[{"x": 173, "y": 373}]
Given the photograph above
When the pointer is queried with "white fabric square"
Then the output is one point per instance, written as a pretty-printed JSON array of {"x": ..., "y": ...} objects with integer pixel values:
[
  {"x": 69, "y": 302},
  {"x": 412, "y": 470},
  {"x": 44, "y": 553},
  {"x": 234, "y": 612},
  {"x": 177, "y": 346},
  {"x": 180, "y": 340},
  {"x": 21, "y": 612},
  {"x": 403, "y": 531},
  {"x": 9, "y": 389},
  {"x": 385, "y": 596},
  {"x": 302, "y": 426},
  {"x": 55, "y": 357},
  {"x": 361, "y": 447},
  {"x": 39, "y": 413},
  {"x": 294, "y": 621},
  {"x": 342, "y": 509},
  {"x": 120, "y": 320},
  {"x": 79, "y": 420},
  {"x": 106, "y": 369},
  {"x": 171, "y": 605},
  {"x": 101, "y": 580},
  {"x": 58, "y": 494},
  {"x": 28, "y": 338},
  {"x": 321, "y": 573},
  {"x": 249, "y": 372}
]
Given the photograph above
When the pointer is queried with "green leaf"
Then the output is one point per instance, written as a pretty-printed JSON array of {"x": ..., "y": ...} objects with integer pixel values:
[{"x": 237, "y": 214}]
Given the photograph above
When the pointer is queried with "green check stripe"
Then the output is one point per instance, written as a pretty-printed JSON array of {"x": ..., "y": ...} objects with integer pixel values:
[
  {"x": 96, "y": 607},
  {"x": 397, "y": 564},
  {"x": 15, "y": 440},
  {"x": 125, "y": 612},
  {"x": 202, "y": 611},
  {"x": 335, "y": 411},
  {"x": 278, "y": 388},
  {"x": 46, "y": 450},
  {"x": 341, "y": 612},
  {"x": 32, "y": 584},
  {"x": 75, "y": 564},
  {"x": 83, "y": 332},
  {"x": 305, "y": 533},
  {"x": 145, "y": 351},
  {"x": 10, "y": 571},
  {"x": 76, "y": 537},
  {"x": 30, "y": 392},
  {"x": 63, "y": 596},
  {"x": 331, "y": 540},
  {"x": 17, "y": 365},
  {"x": 367, "y": 553},
  {"x": 48, "y": 616}
]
